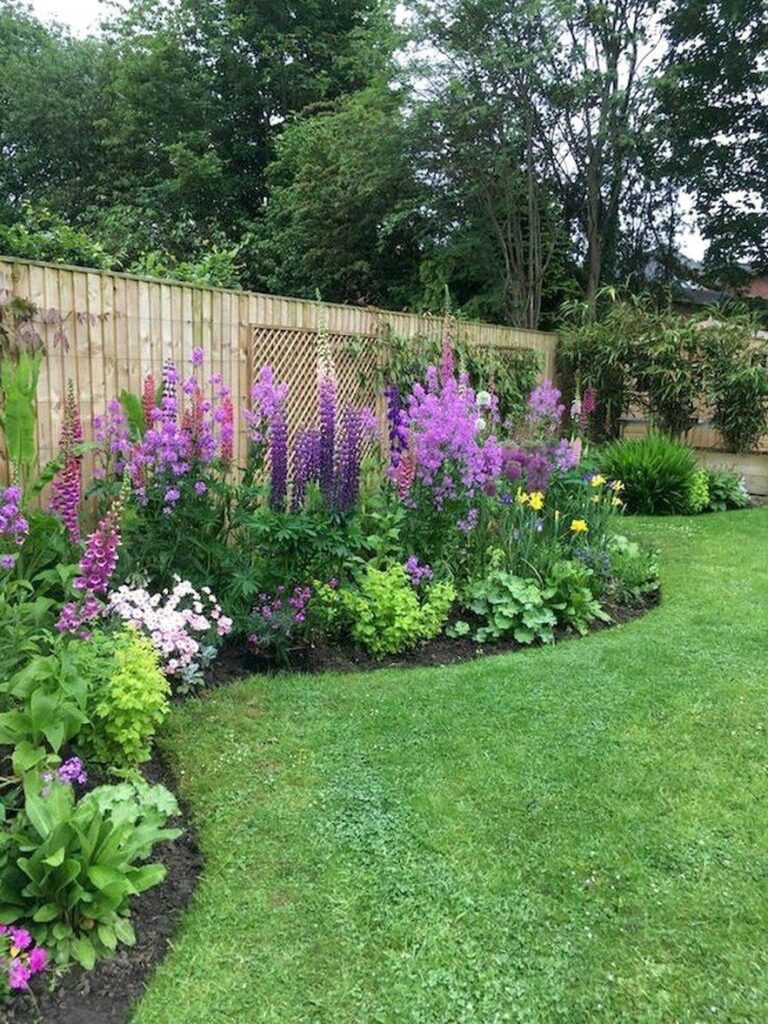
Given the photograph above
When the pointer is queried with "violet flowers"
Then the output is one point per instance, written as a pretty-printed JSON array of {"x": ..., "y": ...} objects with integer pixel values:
[{"x": 67, "y": 486}]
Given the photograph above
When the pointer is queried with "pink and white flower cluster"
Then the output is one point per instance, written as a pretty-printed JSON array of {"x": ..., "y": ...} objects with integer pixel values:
[{"x": 183, "y": 624}]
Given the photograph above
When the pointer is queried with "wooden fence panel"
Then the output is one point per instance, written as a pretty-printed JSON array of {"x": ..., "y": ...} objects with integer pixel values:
[{"x": 107, "y": 331}]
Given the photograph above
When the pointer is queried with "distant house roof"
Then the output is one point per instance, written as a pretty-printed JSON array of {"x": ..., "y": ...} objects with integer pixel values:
[{"x": 690, "y": 283}]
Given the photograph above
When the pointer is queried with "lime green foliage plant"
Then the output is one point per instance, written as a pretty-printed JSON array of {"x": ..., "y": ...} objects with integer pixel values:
[
  {"x": 127, "y": 697},
  {"x": 71, "y": 867},
  {"x": 698, "y": 492},
  {"x": 657, "y": 473},
  {"x": 387, "y": 615}
]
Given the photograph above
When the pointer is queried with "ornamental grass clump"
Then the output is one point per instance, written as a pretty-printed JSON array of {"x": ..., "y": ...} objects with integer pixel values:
[{"x": 656, "y": 471}]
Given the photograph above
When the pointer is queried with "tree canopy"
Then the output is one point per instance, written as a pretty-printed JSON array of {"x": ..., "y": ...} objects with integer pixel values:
[{"x": 514, "y": 153}]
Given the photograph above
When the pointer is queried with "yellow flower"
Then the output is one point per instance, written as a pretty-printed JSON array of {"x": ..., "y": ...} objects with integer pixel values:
[
  {"x": 617, "y": 502},
  {"x": 597, "y": 498},
  {"x": 617, "y": 486},
  {"x": 597, "y": 480},
  {"x": 522, "y": 497},
  {"x": 536, "y": 500},
  {"x": 557, "y": 515},
  {"x": 579, "y": 526}
]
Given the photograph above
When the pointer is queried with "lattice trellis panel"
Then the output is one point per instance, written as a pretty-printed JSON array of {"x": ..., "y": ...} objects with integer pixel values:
[{"x": 293, "y": 354}]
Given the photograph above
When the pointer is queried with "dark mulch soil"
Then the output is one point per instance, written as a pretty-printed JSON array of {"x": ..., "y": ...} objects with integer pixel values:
[
  {"x": 235, "y": 662},
  {"x": 106, "y": 994}
]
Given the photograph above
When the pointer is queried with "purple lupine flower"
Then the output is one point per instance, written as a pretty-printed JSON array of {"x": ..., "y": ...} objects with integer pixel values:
[
  {"x": 397, "y": 425},
  {"x": 306, "y": 465},
  {"x": 278, "y": 457},
  {"x": 358, "y": 427},
  {"x": 266, "y": 395},
  {"x": 201, "y": 487},
  {"x": 198, "y": 356},
  {"x": 327, "y": 414},
  {"x": 8, "y": 561}
]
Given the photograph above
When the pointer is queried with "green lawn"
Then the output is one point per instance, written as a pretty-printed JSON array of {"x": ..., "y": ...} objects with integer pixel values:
[{"x": 577, "y": 834}]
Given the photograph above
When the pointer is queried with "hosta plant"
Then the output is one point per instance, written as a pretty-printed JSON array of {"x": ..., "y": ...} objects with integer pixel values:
[
  {"x": 68, "y": 868},
  {"x": 726, "y": 490}
]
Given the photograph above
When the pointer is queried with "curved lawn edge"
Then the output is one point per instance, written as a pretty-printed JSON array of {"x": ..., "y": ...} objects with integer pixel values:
[{"x": 569, "y": 834}]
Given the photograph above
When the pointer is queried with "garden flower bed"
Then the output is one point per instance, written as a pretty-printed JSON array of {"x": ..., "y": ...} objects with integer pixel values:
[{"x": 477, "y": 524}]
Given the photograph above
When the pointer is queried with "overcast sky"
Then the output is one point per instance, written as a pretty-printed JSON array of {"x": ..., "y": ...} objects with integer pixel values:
[
  {"x": 80, "y": 15},
  {"x": 83, "y": 16}
]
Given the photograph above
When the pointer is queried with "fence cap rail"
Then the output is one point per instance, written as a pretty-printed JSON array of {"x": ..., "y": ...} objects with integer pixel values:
[{"x": 270, "y": 297}]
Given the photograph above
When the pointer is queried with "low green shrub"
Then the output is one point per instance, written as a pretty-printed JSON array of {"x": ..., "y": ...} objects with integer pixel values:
[
  {"x": 127, "y": 697},
  {"x": 633, "y": 572},
  {"x": 47, "y": 701},
  {"x": 510, "y": 606},
  {"x": 656, "y": 471},
  {"x": 726, "y": 490},
  {"x": 70, "y": 867},
  {"x": 386, "y": 614},
  {"x": 569, "y": 592}
]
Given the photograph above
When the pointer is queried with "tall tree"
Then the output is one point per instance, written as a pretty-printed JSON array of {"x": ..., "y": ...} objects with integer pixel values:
[
  {"x": 715, "y": 107},
  {"x": 570, "y": 80},
  {"x": 51, "y": 100},
  {"x": 342, "y": 213}
]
